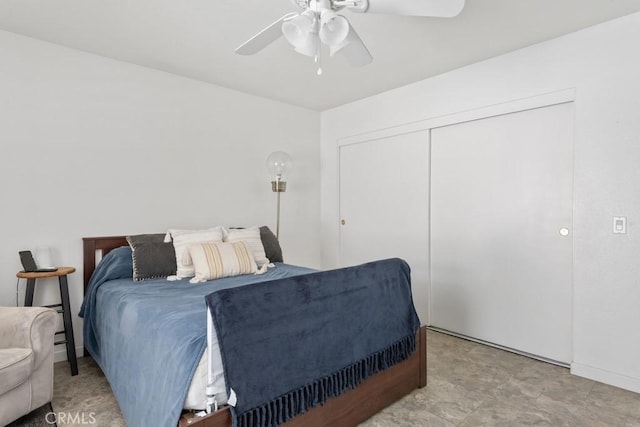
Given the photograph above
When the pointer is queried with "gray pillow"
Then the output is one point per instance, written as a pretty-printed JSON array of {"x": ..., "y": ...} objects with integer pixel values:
[
  {"x": 271, "y": 245},
  {"x": 152, "y": 257}
]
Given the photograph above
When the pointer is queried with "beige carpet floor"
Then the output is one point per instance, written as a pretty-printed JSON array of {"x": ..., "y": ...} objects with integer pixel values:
[{"x": 468, "y": 384}]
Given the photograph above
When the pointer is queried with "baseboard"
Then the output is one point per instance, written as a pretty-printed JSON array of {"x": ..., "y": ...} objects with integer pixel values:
[
  {"x": 60, "y": 353},
  {"x": 607, "y": 377},
  {"x": 498, "y": 346}
]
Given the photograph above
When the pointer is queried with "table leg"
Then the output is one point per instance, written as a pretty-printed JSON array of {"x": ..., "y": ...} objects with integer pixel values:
[
  {"x": 68, "y": 326},
  {"x": 28, "y": 295}
]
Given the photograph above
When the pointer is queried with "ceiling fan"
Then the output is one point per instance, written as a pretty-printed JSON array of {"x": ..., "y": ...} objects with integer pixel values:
[{"x": 320, "y": 23}]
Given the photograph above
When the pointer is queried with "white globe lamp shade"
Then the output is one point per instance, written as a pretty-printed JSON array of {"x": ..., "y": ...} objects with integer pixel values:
[
  {"x": 334, "y": 28},
  {"x": 297, "y": 30}
]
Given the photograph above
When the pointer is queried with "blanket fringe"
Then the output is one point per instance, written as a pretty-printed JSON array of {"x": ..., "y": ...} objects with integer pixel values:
[{"x": 296, "y": 402}]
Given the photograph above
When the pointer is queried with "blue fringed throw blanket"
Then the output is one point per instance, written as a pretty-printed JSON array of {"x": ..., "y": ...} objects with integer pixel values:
[{"x": 290, "y": 344}]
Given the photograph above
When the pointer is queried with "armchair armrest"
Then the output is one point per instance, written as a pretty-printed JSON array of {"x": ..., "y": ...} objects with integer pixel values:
[{"x": 28, "y": 327}]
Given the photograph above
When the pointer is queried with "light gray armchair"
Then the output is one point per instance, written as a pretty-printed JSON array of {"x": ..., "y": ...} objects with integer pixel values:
[{"x": 26, "y": 360}]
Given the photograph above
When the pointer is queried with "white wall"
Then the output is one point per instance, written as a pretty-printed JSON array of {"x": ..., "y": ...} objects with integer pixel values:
[
  {"x": 91, "y": 146},
  {"x": 602, "y": 63}
]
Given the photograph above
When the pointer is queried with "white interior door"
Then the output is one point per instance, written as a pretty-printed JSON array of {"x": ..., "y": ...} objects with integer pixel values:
[
  {"x": 384, "y": 205},
  {"x": 501, "y": 242}
]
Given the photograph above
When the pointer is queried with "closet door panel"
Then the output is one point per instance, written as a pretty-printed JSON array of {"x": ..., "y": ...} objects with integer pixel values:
[
  {"x": 501, "y": 222},
  {"x": 384, "y": 205}
]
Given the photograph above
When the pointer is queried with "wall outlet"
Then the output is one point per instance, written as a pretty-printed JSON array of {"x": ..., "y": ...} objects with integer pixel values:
[{"x": 619, "y": 225}]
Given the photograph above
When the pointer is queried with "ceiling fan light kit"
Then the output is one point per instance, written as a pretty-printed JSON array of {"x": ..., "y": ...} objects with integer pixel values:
[
  {"x": 319, "y": 23},
  {"x": 296, "y": 29},
  {"x": 301, "y": 33},
  {"x": 334, "y": 28}
]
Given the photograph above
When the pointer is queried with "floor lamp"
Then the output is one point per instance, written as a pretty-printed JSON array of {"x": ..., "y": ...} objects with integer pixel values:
[{"x": 278, "y": 164}]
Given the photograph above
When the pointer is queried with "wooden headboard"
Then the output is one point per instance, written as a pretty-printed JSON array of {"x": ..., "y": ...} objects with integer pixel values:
[{"x": 95, "y": 245}]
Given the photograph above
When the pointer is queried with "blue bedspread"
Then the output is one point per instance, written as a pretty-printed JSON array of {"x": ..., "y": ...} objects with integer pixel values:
[
  {"x": 333, "y": 328},
  {"x": 148, "y": 337}
]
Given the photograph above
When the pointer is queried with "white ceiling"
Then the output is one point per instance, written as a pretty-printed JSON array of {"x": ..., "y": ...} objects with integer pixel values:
[{"x": 196, "y": 38}]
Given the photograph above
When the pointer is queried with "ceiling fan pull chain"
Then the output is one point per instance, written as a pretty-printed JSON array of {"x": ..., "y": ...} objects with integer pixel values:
[
  {"x": 319, "y": 56},
  {"x": 316, "y": 28}
]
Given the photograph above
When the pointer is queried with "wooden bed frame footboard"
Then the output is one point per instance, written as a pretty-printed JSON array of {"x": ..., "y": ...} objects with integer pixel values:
[{"x": 349, "y": 409}]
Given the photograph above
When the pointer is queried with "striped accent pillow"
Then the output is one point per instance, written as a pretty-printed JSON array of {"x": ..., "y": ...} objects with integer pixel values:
[
  {"x": 214, "y": 260},
  {"x": 182, "y": 239}
]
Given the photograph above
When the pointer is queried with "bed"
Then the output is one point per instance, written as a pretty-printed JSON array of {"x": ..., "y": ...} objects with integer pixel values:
[{"x": 349, "y": 408}]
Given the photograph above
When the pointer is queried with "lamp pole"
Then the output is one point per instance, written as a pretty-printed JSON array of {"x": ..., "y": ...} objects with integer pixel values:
[
  {"x": 278, "y": 187},
  {"x": 278, "y": 218}
]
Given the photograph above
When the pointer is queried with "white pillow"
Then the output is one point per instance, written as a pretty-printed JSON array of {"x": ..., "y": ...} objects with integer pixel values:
[
  {"x": 181, "y": 241},
  {"x": 251, "y": 236},
  {"x": 215, "y": 260}
]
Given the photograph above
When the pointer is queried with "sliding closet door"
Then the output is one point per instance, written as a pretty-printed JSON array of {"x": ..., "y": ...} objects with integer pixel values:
[
  {"x": 501, "y": 235},
  {"x": 384, "y": 205}
]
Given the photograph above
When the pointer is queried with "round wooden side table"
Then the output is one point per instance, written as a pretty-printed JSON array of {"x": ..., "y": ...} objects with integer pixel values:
[{"x": 64, "y": 307}]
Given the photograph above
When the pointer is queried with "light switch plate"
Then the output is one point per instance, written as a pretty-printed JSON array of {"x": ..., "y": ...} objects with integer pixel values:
[{"x": 619, "y": 225}]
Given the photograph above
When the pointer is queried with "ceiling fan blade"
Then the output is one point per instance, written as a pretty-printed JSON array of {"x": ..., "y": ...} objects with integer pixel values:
[
  {"x": 437, "y": 8},
  {"x": 353, "y": 49},
  {"x": 265, "y": 37}
]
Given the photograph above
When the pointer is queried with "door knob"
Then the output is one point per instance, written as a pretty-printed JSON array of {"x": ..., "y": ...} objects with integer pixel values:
[
  {"x": 343, "y": 222},
  {"x": 564, "y": 231}
]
